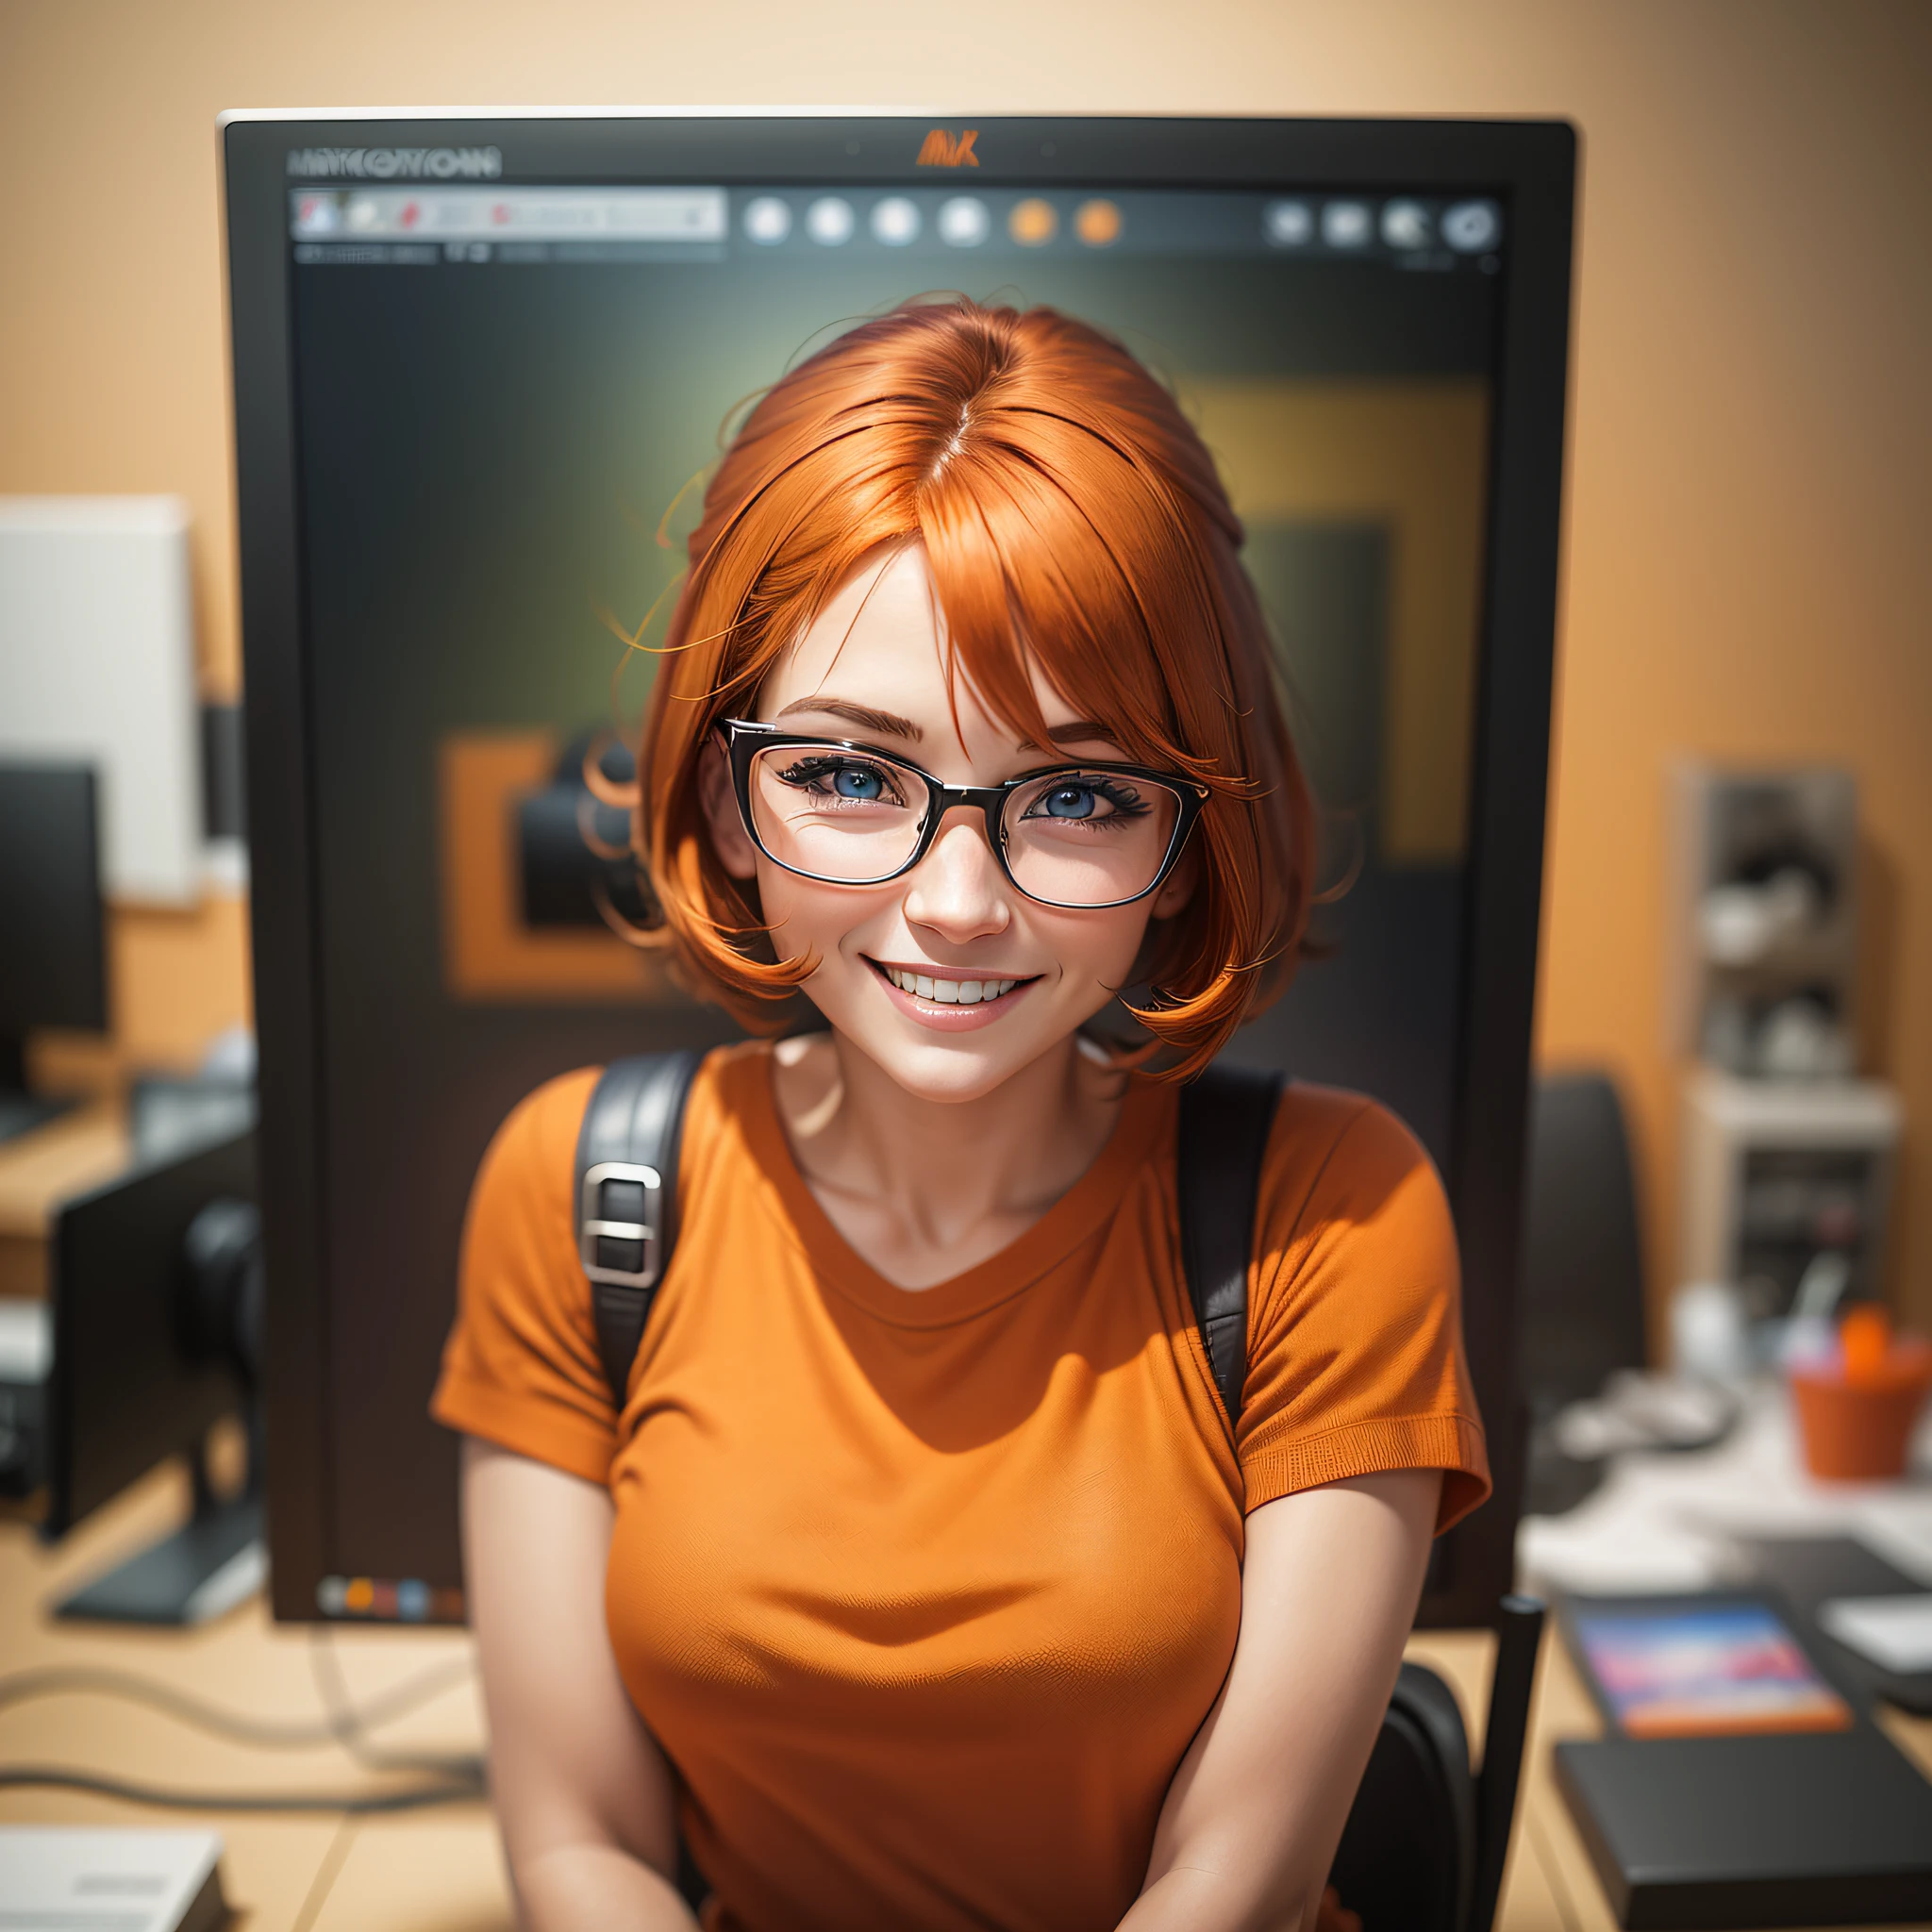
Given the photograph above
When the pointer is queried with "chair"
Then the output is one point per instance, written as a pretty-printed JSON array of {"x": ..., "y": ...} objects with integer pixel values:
[
  {"x": 1426, "y": 1839},
  {"x": 1582, "y": 1298},
  {"x": 1581, "y": 1308}
]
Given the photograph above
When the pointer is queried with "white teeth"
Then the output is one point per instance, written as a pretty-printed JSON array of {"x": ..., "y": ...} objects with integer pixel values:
[{"x": 949, "y": 993}]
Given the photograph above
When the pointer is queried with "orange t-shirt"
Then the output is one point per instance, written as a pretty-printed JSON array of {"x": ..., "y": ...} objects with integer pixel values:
[{"x": 925, "y": 1593}]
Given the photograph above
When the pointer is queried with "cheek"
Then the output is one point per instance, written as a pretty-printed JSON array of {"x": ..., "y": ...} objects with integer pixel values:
[
  {"x": 1099, "y": 948},
  {"x": 803, "y": 916}
]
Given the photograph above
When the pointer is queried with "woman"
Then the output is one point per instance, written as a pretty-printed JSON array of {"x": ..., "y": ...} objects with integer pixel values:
[{"x": 922, "y": 1580}]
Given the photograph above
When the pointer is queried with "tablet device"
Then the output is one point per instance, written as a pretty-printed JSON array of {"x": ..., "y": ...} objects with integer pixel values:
[{"x": 1699, "y": 1667}]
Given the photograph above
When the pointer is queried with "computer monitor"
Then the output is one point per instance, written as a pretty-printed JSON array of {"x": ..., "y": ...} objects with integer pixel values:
[
  {"x": 53, "y": 946},
  {"x": 157, "y": 1310},
  {"x": 479, "y": 360}
]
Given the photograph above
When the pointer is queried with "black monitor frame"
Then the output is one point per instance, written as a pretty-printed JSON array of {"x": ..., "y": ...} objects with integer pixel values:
[
  {"x": 53, "y": 922},
  {"x": 1529, "y": 167}
]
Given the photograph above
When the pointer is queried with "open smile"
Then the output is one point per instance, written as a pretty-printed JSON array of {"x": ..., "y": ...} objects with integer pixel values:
[
  {"x": 945, "y": 989},
  {"x": 949, "y": 999}
]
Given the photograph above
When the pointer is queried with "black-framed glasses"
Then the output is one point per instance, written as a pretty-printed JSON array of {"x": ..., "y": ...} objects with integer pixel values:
[{"x": 1078, "y": 835}]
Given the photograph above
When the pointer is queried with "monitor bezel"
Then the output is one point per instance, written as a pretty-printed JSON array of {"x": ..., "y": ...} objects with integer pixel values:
[{"x": 1529, "y": 166}]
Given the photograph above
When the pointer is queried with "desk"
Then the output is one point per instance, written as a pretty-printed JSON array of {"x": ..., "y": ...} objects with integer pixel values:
[
  {"x": 69, "y": 1155},
  {"x": 440, "y": 1870}
]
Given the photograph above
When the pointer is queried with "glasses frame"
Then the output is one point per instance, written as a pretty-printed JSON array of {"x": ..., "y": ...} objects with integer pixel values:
[{"x": 744, "y": 740}]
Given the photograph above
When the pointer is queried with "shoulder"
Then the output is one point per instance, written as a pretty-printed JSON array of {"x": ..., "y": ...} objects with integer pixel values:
[
  {"x": 1355, "y": 1360},
  {"x": 525, "y": 1196},
  {"x": 1347, "y": 1187},
  {"x": 1332, "y": 1152},
  {"x": 534, "y": 1151},
  {"x": 539, "y": 1132}
]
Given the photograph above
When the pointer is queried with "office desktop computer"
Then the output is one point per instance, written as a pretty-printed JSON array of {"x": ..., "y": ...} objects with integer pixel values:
[{"x": 481, "y": 364}]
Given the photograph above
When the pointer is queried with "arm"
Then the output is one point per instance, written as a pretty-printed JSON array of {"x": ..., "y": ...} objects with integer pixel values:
[
  {"x": 583, "y": 1794},
  {"x": 1329, "y": 1586}
]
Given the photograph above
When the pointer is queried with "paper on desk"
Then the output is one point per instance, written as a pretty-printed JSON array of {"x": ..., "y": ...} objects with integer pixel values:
[
  {"x": 59, "y": 1876},
  {"x": 1894, "y": 1632},
  {"x": 1665, "y": 1522}
]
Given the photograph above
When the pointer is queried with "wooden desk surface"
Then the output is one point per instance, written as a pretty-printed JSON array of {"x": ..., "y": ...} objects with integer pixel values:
[
  {"x": 442, "y": 1871},
  {"x": 69, "y": 1155}
]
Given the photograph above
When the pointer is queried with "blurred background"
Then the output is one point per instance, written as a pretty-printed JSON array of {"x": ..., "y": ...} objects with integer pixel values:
[{"x": 1746, "y": 579}]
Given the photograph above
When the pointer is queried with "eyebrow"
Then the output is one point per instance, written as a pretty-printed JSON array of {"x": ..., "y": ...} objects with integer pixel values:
[
  {"x": 865, "y": 716},
  {"x": 868, "y": 718}
]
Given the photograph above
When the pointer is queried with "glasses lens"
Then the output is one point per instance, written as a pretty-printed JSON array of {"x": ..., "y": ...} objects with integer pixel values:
[
  {"x": 840, "y": 815},
  {"x": 1089, "y": 838}
]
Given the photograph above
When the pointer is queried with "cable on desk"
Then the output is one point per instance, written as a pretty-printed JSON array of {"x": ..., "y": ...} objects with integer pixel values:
[
  {"x": 325, "y": 1874},
  {"x": 169, "y": 1797},
  {"x": 268, "y": 1734},
  {"x": 350, "y": 1726}
]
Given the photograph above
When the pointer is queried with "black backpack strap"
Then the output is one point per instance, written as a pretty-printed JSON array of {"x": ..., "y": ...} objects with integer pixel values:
[
  {"x": 627, "y": 1197},
  {"x": 1225, "y": 1116}
]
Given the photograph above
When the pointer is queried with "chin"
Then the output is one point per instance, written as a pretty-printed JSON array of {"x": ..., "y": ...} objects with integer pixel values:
[
  {"x": 964, "y": 1067},
  {"x": 944, "y": 1068}
]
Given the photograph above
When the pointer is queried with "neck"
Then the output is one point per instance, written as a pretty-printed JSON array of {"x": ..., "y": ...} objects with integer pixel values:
[{"x": 926, "y": 1188}]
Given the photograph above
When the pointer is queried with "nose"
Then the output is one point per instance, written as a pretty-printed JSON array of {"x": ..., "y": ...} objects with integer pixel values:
[{"x": 958, "y": 890}]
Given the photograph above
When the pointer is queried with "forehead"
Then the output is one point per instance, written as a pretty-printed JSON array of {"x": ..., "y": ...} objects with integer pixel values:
[{"x": 881, "y": 643}]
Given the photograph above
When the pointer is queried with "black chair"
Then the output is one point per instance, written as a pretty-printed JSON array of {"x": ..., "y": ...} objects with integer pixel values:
[
  {"x": 1581, "y": 1308},
  {"x": 1425, "y": 1841}
]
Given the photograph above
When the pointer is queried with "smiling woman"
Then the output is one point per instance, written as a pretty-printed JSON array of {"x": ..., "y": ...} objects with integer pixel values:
[
  {"x": 921, "y": 1574},
  {"x": 1081, "y": 581}
]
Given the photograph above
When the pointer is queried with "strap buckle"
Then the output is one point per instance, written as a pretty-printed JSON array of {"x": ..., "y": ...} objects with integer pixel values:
[{"x": 615, "y": 1230}]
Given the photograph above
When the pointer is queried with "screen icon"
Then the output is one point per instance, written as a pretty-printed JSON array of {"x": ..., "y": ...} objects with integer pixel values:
[
  {"x": 894, "y": 221},
  {"x": 1098, "y": 222},
  {"x": 964, "y": 222},
  {"x": 1471, "y": 227},
  {"x": 829, "y": 221},
  {"x": 1346, "y": 225},
  {"x": 1032, "y": 222},
  {"x": 1406, "y": 224},
  {"x": 766, "y": 221},
  {"x": 1289, "y": 223}
]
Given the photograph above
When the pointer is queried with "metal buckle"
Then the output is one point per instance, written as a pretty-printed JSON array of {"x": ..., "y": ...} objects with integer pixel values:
[{"x": 643, "y": 1231}]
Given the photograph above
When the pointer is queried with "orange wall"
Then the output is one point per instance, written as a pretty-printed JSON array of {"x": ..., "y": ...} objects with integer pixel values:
[{"x": 1750, "y": 521}]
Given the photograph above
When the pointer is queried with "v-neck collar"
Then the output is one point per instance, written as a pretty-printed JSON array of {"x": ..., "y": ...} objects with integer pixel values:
[{"x": 1084, "y": 1207}]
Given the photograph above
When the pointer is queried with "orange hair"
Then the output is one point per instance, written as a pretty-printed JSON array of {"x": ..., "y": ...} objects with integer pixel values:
[{"x": 1072, "y": 519}]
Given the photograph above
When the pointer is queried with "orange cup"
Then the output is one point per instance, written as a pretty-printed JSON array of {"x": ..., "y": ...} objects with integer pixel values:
[{"x": 1855, "y": 1415}]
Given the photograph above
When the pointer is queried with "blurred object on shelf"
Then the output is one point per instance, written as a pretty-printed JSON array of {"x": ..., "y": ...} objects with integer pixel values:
[
  {"x": 1780, "y": 1176},
  {"x": 1763, "y": 929},
  {"x": 1858, "y": 1402},
  {"x": 1710, "y": 1332}
]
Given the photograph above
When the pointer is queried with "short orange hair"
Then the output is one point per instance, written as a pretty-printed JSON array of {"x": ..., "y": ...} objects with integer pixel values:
[{"x": 1072, "y": 519}]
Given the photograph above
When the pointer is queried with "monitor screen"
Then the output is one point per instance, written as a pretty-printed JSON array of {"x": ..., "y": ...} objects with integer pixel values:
[{"x": 497, "y": 398}]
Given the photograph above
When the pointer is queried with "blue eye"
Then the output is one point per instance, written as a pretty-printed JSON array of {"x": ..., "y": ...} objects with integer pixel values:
[
  {"x": 1069, "y": 802},
  {"x": 847, "y": 781}
]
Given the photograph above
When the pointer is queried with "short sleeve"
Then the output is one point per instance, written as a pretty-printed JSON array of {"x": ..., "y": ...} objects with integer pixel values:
[
  {"x": 520, "y": 1367},
  {"x": 1355, "y": 1338}
]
